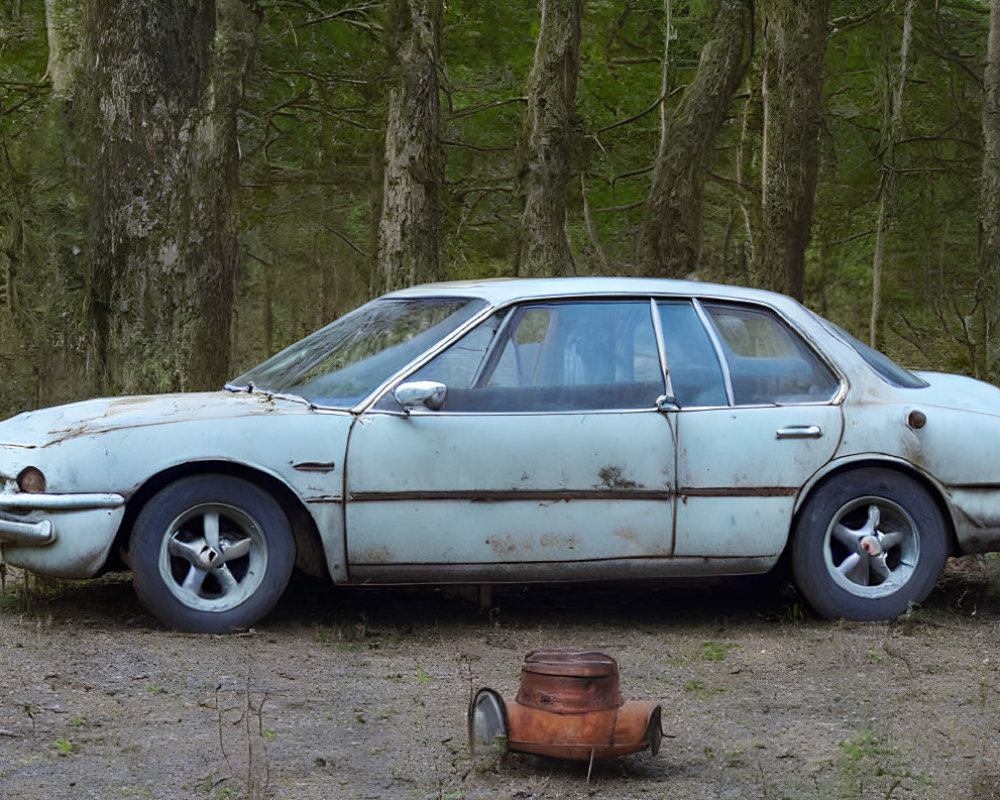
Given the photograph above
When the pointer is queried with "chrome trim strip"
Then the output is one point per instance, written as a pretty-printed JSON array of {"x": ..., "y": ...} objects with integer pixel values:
[
  {"x": 494, "y": 350},
  {"x": 661, "y": 349},
  {"x": 742, "y": 491},
  {"x": 512, "y": 495},
  {"x": 720, "y": 354},
  {"x": 561, "y": 495},
  {"x": 419, "y": 412},
  {"x": 23, "y": 501}
]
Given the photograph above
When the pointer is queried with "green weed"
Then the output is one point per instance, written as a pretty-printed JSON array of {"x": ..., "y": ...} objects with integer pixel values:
[{"x": 714, "y": 651}]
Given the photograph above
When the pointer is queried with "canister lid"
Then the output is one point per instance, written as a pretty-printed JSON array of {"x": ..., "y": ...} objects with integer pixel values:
[{"x": 570, "y": 663}]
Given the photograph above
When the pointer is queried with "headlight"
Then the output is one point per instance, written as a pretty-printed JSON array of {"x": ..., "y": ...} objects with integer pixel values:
[{"x": 31, "y": 480}]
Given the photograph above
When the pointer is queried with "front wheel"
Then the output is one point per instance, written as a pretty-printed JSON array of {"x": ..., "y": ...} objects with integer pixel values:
[
  {"x": 867, "y": 545},
  {"x": 211, "y": 553}
]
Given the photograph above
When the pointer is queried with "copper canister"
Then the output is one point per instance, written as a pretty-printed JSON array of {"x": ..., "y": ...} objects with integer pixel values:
[{"x": 569, "y": 706}]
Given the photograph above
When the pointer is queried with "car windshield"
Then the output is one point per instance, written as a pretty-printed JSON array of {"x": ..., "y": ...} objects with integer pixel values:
[
  {"x": 887, "y": 369},
  {"x": 341, "y": 364}
]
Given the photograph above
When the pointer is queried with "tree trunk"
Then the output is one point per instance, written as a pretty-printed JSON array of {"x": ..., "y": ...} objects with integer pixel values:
[
  {"x": 45, "y": 341},
  {"x": 670, "y": 241},
  {"x": 64, "y": 27},
  {"x": 989, "y": 252},
  {"x": 409, "y": 235},
  {"x": 548, "y": 139},
  {"x": 795, "y": 36},
  {"x": 166, "y": 82},
  {"x": 892, "y": 129}
]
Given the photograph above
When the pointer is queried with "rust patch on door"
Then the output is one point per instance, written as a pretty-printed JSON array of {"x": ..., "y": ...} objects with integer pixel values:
[{"x": 613, "y": 477}]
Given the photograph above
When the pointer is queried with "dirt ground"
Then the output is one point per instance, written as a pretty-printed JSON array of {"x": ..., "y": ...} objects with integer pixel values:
[{"x": 363, "y": 694}]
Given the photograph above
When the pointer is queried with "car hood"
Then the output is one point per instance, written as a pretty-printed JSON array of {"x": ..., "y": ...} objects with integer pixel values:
[
  {"x": 958, "y": 391},
  {"x": 50, "y": 426}
]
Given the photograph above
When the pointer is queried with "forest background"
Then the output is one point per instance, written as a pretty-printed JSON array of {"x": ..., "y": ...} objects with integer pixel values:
[{"x": 186, "y": 186}]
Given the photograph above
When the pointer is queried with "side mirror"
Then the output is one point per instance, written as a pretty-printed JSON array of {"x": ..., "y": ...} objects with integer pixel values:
[{"x": 414, "y": 394}]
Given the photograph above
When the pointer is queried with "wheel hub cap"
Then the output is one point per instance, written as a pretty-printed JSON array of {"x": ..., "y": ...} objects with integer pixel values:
[{"x": 872, "y": 547}]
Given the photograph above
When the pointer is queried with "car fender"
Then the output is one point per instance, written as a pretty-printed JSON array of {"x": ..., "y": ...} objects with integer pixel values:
[
  {"x": 124, "y": 458},
  {"x": 846, "y": 463}
]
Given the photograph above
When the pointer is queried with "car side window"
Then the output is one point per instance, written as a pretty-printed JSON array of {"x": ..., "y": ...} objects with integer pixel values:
[
  {"x": 459, "y": 364},
  {"x": 768, "y": 363},
  {"x": 518, "y": 364},
  {"x": 566, "y": 356},
  {"x": 695, "y": 373}
]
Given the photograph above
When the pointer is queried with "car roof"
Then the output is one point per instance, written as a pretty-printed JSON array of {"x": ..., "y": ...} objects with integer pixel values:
[{"x": 498, "y": 291}]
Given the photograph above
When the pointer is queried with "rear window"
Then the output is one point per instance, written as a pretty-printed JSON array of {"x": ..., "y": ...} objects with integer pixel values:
[
  {"x": 887, "y": 369},
  {"x": 768, "y": 362}
]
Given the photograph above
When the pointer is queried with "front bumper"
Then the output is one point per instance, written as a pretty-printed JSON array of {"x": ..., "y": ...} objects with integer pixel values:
[
  {"x": 62, "y": 535},
  {"x": 42, "y": 532}
]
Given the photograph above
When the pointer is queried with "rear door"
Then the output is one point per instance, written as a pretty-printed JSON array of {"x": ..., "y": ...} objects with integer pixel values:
[{"x": 757, "y": 419}]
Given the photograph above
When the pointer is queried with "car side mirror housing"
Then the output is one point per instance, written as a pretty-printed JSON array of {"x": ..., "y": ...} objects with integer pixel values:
[{"x": 416, "y": 394}]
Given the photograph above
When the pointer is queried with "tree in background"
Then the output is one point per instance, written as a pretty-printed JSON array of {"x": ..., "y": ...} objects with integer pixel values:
[
  {"x": 670, "y": 239},
  {"x": 64, "y": 27},
  {"x": 931, "y": 298},
  {"x": 163, "y": 88},
  {"x": 312, "y": 142},
  {"x": 891, "y": 131},
  {"x": 46, "y": 344},
  {"x": 311, "y": 127},
  {"x": 989, "y": 215},
  {"x": 409, "y": 234},
  {"x": 795, "y": 35},
  {"x": 548, "y": 140}
]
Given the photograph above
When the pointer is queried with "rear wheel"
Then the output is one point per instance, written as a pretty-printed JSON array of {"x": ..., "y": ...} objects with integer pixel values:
[
  {"x": 868, "y": 545},
  {"x": 211, "y": 553}
]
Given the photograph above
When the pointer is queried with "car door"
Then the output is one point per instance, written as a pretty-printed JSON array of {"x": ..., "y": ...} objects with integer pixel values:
[
  {"x": 547, "y": 460},
  {"x": 756, "y": 420}
]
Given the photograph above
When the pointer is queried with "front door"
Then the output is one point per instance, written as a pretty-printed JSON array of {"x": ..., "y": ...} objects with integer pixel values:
[{"x": 548, "y": 460}]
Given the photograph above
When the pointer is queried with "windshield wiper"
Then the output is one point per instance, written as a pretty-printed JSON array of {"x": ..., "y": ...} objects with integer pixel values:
[
  {"x": 295, "y": 398},
  {"x": 270, "y": 394}
]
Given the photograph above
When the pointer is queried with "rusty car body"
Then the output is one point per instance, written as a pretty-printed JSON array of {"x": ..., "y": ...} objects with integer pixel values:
[{"x": 513, "y": 431}]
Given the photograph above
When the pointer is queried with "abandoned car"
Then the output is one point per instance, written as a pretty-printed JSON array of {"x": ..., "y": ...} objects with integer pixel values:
[{"x": 517, "y": 431}]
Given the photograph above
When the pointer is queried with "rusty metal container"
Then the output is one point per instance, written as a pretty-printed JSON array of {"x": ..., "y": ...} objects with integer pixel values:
[
  {"x": 569, "y": 706},
  {"x": 569, "y": 681}
]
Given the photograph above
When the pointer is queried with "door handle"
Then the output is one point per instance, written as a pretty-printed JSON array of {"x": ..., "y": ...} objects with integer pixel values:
[{"x": 800, "y": 432}]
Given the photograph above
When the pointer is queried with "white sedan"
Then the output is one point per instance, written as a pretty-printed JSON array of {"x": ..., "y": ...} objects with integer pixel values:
[{"x": 516, "y": 431}]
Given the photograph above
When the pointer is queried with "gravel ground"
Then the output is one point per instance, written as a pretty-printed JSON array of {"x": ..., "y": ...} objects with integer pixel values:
[{"x": 364, "y": 693}]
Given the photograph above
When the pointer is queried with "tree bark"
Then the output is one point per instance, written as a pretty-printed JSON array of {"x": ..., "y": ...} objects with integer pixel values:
[
  {"x": 409, "y": 234},
  {"x": 548, "y": 140},
  {"x": 795, "y": 37},
  {"x": 166, "y": 82},
  {"x": 671, "y": 237},
  {"x": 989, "y": 249}
]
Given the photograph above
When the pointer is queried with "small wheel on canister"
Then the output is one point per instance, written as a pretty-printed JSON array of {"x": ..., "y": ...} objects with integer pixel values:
[
  {"x": 211, "y": 553},
  {"x": 868, "y": 544}
]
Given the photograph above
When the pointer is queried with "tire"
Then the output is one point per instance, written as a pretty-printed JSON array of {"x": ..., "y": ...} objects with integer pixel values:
[
  {"x": 211, "y": 554},
  {"x": 868, "y": 545}
]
